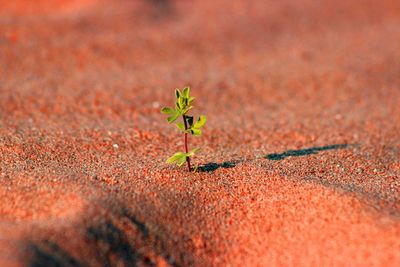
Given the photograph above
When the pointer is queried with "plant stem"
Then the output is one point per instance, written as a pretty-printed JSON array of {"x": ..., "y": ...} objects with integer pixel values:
[{"x": 186, "y": 143}]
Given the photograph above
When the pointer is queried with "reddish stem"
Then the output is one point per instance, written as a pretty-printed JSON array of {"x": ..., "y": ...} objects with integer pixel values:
[{"x": 186, "y": 143}]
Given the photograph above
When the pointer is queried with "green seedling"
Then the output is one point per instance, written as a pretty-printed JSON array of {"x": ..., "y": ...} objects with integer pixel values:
[{"x": 187, "y": 126}]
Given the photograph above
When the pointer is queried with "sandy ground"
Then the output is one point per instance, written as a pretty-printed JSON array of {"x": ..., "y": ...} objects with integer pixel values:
[{"x": 300, "y": 163}]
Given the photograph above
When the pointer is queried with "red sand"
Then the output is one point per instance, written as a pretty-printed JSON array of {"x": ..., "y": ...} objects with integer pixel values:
[
  {"x": 41, "y": 7},
  {"x": 282, "y": 83}
]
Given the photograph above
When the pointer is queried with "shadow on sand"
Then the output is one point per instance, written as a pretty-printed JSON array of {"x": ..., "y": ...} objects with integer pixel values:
[
  {"x": 304, "y": 152},
  {"x": 48, "y": 253},
  {"x": 212, "y": 166},
  {"x": 113, "y": 244}
]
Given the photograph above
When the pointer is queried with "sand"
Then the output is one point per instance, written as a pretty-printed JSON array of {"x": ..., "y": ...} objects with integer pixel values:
[{"x": 300, "y": 160}]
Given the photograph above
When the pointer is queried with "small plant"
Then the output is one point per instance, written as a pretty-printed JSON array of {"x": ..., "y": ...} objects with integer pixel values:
[{"x": 188, "y": 126}]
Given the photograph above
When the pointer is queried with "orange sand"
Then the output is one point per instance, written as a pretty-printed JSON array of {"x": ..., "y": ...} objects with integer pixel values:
[{"x": 300, "y": 163}]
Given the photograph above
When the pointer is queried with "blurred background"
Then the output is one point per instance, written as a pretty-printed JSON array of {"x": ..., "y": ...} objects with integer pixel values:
[{"x": 275, "y": 68}]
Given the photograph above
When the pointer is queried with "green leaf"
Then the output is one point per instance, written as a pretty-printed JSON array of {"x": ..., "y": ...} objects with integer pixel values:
[
  {"x": 192, "y": 152},
  {"x": 181, "y": 161},
  {"x": 186, "y": 92},
  {"x": 167, "y": 110},
  {"x": 190, "y": 100},
  {"x": 187, "y": 109},
  {"x": 173, "y": 118},
  {"x": 180, "y": 126},
  {"x": 177, "y": 93},
  {"x": 176, "y": 156},
  {"x": 200, "y": 122},
  {"x": 181, "y": 102},
  {"x": 195, "y": 132}
]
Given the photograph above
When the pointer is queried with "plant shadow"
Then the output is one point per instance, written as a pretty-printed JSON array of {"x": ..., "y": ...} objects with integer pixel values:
[
  {"x": 212, "y": 166},
  {"x": 303, "y": 152}
]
